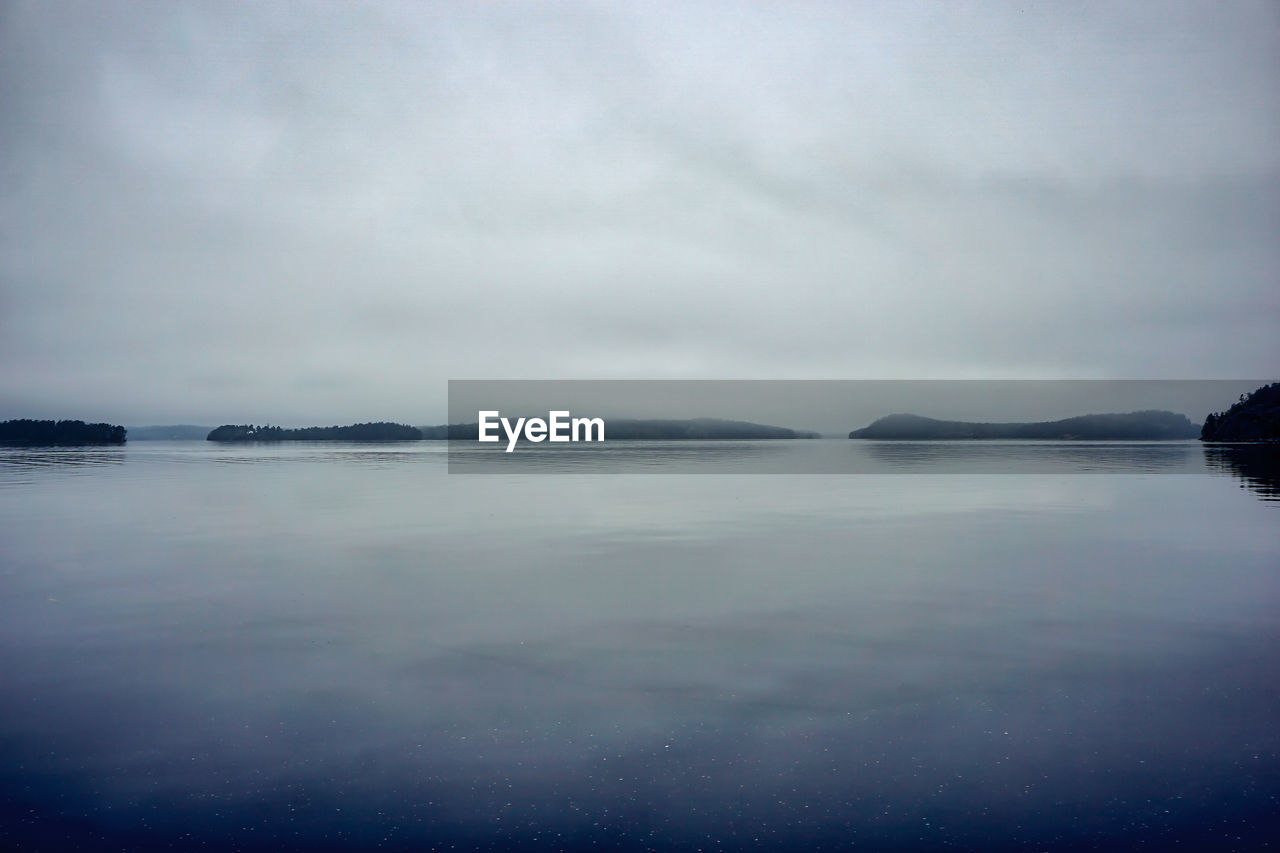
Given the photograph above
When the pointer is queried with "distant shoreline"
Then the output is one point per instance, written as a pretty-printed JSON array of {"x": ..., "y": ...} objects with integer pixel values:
[
  {"x": 1254, "y": 417},
  {"x": 637, "y": 429},
  {"x": 1132, "y": 426},
  {"x": 380, "y": 431},
  {"x": 621, "y": 429}
]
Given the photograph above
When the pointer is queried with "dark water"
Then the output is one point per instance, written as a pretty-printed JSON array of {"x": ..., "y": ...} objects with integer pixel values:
[{"x": 337, "y": 647}]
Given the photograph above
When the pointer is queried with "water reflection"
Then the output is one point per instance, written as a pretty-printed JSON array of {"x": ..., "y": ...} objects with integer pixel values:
[
  {"x": 1035, "y": 457},
  {"x": 342, "y": 654},
  {"x": 19, "y": 460},
  {"x": 1257, "y": 466},
  {"x": 620, "y": 457},
  {"x": 357, "y": 453},
  {"x": 831, "y": 457}
]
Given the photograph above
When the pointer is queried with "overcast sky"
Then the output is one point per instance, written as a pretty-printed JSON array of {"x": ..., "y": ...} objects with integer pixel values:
[{"x": 319, "y": 213}]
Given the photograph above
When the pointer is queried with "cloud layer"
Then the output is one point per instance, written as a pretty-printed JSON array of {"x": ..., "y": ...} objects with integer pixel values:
[{"x": 319, "y": 213}]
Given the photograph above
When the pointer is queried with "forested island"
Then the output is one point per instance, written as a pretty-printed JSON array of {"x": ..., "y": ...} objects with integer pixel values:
[
  {"x": 381, "y": 431},
  {"x": 1254, "y": 417},
  {"x": 632, "y": 429},
  {"x": 1132, "y": 426},
  {"x": 37, "y": 433}
]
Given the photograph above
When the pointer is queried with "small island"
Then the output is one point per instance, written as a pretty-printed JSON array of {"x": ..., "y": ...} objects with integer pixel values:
[
  {"x": 381, "y": 431},
  {"x": 28, "y": 433},
  {"x": 631, "y": 429},
  {"x": 1254, "y": 417},
  {"x": 1131, "y": 426}
]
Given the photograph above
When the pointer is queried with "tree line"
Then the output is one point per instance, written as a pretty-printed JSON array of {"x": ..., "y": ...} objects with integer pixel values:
[
  {"x": 29, "y": 432},
  {"x": 380, "y": 431},
  {"x": 1254, "y": 417}
]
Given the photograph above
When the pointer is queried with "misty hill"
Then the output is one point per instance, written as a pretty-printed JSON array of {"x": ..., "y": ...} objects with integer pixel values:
[
  {"x": 698, "y": 429},
  {"x": 381, "y": 431},
  {"x": 1133, "y": 426},
  {"x": 1254, "y": 417},
  {"x": 625, "y": 429},
  {"x": 170, "y": 432},
  {"x": 446, "y": 432},
  {"x": 37, "y": 433}
]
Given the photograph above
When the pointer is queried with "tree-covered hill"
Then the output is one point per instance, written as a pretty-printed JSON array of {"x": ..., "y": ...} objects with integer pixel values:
[
  {"x": 34, "y": 433},
  {"x": 1254, "y": 417},
  {"x": 381, "y": 431},
  {"x": 1131, "y": 426}
]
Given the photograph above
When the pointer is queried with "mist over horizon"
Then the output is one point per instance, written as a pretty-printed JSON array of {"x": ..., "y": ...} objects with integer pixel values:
[{"x": 829, "y": 407}]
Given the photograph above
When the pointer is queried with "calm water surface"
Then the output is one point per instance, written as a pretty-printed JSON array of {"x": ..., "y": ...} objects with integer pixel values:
[{"x": 311, "y": 646}]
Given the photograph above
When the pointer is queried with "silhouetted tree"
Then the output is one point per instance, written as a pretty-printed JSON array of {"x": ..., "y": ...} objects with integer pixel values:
[
  {"x": 29, "y": 432},
  {"x": 381, "y": 431},
  {"x": 1254, "y": 417}
]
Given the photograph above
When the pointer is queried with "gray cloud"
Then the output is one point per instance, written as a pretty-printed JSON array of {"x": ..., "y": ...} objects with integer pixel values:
[{"x": 319, "y": 213}]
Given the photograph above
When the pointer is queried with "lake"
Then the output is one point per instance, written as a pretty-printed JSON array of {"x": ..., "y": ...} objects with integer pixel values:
[{"x": 653, "y": 646}]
